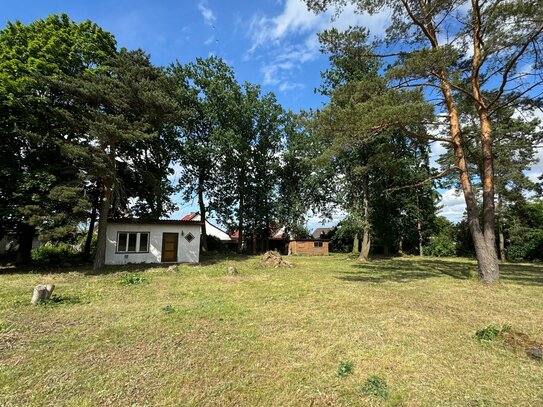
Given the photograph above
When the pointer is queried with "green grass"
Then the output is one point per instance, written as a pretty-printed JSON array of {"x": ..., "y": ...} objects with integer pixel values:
[{"x": 271, "y": 337}]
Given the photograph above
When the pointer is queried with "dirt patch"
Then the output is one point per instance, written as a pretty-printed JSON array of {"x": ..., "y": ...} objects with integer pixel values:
[
  {"x": 522, "y": 342},
  {"x": 273, "y": 259}
]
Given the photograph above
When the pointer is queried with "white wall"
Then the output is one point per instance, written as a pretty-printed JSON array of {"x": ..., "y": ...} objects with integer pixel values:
[
  {"x": 186, "y": 252},
  {"x": 212, "y": 230}
]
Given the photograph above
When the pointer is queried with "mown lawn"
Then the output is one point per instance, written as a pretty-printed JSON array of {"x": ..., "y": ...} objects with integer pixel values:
[{"x": 271, "y": 337}]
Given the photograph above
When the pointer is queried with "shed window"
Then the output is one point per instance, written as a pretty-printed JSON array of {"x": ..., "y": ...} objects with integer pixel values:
[
  {"x": 135, "y": 242},
  {"x": 317, "y": 244}
]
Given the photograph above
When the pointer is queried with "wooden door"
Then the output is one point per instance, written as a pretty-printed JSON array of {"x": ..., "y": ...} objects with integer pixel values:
[{"x": 169, "y": 247}]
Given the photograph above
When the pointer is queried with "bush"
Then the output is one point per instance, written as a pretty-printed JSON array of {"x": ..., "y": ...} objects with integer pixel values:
[
  {"x": 214, "y": 244},
  {"x": 345, "y": 368},
  {"x": 168, "y": 309},
  {"x": 376, "y": 386},
  {"x": 490, "y": 333},
  {"x": 526, "y": 246},
  {"x": 54, "y": 254},
  {"x": 133, "y": 279},
  {"x": 440, "y": 246}
]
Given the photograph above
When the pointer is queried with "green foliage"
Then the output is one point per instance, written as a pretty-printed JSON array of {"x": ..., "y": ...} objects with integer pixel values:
[
  {"x": 441, "y": 245},
  {"x": 214, "y": 244},
  {"x": 168, "y": 309},
  {"x": 41, "y": 185},
  {"x": 345, "y": 368},
  {"x": 490, "y": 333},
  {"x": 526, "y": 246},
  {"x": 51, "y": 254},
  {"x": 376, "y": 386},
  {"x": 462, "y": 237},
  {"x": 299, "y": 231},
  {"x": 133, "y": 279}
]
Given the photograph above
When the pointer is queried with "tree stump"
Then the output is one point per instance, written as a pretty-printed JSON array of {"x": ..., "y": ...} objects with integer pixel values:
[
  {"x": 232, "y": 271},
  {"x": 42, "y": 293}
]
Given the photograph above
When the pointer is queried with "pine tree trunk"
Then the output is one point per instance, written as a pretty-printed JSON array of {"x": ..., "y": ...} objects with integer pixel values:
[
  {"x": 485, "y": 253},
  {"x": 105, "y": 204},
  {"x": 356, "y": 243},
  {"x": 503, "y": 257},
  {"x": 485, "y": 240},
  {"x": 254, "y": 242},
  {"x": 366, "y": 246},
  {"x": 489, "y": 210},
  {"x": 366, "y": 237},
  {"x": 25, "y": 236},
  {"x": 419, "y": 227},
  {"x": 201, "y": 204},
  {"x": 485, "y": 249},
  {"x": 501, "y": 236},
  {"x": 100, "y": 256},
  {"x": 240, "y": 225},
  {"x": 90, "y": 231},
  {"x": 421, "y": 241}
]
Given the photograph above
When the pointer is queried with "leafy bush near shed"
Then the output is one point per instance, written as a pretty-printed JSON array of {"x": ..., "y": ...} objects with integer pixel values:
[{"x": 54, "y": 254}]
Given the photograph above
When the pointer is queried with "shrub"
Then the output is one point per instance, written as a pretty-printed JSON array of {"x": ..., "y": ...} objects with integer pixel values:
[
  {"x": 490, "y": 333},
  {"x": 168, "y": 309},
  {"x": 132, "y": 279},
  {"x": 376, "y": 386},
  {"x": 440, "y": 246},
  {"x": 345, "y": 368},
  {"x": 214, "y": 244},
  {"x": 54, "y": 254},
  {"x": 526, "y": 246}
]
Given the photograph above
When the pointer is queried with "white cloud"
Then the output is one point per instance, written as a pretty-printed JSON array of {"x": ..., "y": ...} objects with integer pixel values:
[
  {"x": 209, "y": 16},
  {"x": 286, "y": 86},
  {"x": 453, "y": 205},
  {"x": 289, "y": 39}
]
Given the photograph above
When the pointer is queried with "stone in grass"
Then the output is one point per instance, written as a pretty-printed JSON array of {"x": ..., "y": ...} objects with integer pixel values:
[
  {"x": 535, "y": 353},
  {"x": 172, "y": 268},
  {"x": 232, "y": 271},
  {"x": 42, "y": 293}
]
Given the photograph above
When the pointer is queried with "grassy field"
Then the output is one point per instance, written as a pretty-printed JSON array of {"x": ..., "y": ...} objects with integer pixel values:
[{"x": 270, "y": 337}]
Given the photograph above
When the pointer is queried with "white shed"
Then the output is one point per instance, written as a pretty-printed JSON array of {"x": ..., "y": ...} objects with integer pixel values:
[{"x": 152, "y": 241}]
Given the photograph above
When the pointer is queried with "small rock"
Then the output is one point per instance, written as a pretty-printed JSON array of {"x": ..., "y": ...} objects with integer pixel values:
[
  {"x": 172, "y": 268},
  {"x": 232, "y": 271},
  {"x": 535, "y": 353}
]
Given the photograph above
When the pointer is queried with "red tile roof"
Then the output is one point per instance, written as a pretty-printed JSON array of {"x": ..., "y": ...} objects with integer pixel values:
[{"x": 190, "y": 216}]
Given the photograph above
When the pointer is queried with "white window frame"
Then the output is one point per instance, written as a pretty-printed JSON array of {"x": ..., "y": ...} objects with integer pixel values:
[
  {"x": 138, "y": 240},
  {"x": 317, "y": 244}
]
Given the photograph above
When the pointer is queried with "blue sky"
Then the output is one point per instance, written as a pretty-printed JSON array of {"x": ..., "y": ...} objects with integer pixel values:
[{"x": 269, "y": 42}]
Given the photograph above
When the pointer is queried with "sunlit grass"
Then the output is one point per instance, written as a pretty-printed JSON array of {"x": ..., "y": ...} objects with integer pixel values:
[{"x": 271, "y": 337}]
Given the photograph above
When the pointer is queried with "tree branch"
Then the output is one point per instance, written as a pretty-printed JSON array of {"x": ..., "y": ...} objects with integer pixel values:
[{"x": 421, "y": 183}]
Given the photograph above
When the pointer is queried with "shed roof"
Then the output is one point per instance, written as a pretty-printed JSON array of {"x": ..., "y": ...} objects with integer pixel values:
[{"x": 140, "y": 221}]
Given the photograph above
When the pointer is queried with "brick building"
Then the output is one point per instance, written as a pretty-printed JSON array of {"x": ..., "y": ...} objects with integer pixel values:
[{"x": 312, "y": 247}]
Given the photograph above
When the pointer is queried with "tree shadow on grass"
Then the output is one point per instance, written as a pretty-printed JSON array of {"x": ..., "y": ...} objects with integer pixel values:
[
  {"x": 86, "y": 268},
  {"x": 525, "y": 274},
  {"x": 404, "y": 270}
]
